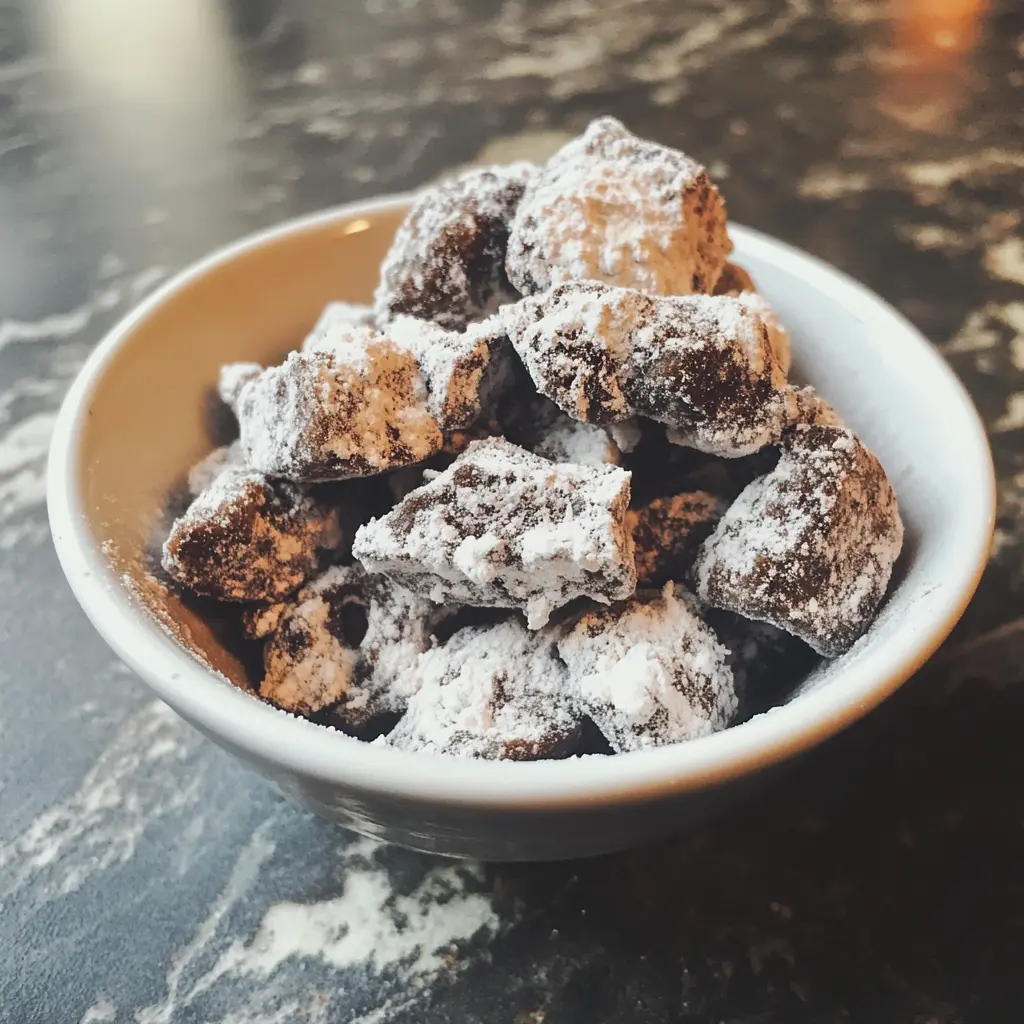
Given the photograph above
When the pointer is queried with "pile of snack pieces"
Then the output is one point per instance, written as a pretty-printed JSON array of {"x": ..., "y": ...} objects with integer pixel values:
[{"x": 555, "y": 478}]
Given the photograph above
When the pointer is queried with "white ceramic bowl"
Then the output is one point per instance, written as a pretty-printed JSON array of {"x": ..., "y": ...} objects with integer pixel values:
[{"x": 133, "y": 423}]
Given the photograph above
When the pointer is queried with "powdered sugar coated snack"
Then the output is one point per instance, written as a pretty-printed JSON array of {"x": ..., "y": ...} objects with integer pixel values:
[
  {"x": 809, "y": 547},
  {"x": 247, "y": 538},
  {"x": 735, "y": 281},
  {"x": 701, "y": 364},
  {"x": 462, "y": 521},
  {"x": 327, "y": 415},
  {"x": 651, "y": 672},
  {"x": 349, "y": 643},
  {"x": 446, "y": 263},
  {"x": 611, "y": 207},
  {"x": 492, "y": 692},
  {"x": 667, "y": 533},
  {"x": 504, "y": 528}
]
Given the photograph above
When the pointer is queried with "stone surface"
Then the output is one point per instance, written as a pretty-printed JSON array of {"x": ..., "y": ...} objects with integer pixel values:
[{"x": 146, "y": 878}]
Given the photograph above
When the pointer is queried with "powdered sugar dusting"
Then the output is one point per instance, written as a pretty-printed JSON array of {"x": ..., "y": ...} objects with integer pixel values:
[
  {"x": 246, "y": 538},
  {"x": 318, "y": 659},
  {"x": 204, "y": 472},
  {"x": 611, "y": 207},
  {"x": 667, "y": 533},
  {"x": 809, "y": 547},
  {"x": 446, "y": 262},
  {"x": 701, "y": 364},
  {"x": 356, "y": 408},
  {"x": 452, "y": 364},
  {"x": 496, "y": 692},
  {"x": 503, "y": 527},
  {"x": 651, "y": 672}
]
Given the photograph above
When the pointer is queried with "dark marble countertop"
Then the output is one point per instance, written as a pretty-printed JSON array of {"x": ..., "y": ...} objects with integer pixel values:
[{"x": 144, "y": 877}]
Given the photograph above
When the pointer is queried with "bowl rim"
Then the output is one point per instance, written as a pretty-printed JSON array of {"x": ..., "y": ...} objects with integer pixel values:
[{"x": 267, "y": 734}]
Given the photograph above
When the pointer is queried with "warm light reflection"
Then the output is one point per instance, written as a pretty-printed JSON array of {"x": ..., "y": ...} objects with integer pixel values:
[
  {"x": 938, "y": 31},
  {"x": 356, "y": 227},
  {"x": 925, "y": 76}
]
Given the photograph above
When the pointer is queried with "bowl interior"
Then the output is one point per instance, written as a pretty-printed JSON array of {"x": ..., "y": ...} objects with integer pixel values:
[
  {"x": 147, "y": 419},
  {"x": 136, "y": 421}
]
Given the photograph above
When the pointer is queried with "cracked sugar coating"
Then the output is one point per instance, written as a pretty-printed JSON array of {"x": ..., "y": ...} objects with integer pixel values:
[
  {"x": 700, "y": 364},
  {"x": 810, "y": 547},
  {"x": 504, "y": 528},
  {"x": 348, "y": 642},
  {"x": 247, "y": 538},
  {"x": 650, "y": 672},
  {"x": 493, "y": 692},
  {"x": 612, "y": 207},
  {"x": 667, "y": 533},
  {"x": 354, "y": 410},
  {"x": 446, "y": 262}
]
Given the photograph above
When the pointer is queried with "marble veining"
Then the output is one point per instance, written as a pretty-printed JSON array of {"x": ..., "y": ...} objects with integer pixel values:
[{"x": 146, "y": 878}]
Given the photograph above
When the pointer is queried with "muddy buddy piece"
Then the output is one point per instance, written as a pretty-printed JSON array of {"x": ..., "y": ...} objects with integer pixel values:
[
  {"x": 247, "y": 538},
  {"x": 446, "y": 262},
  {"x": 492, "y": 692},
  {"x": 669, "y": 531},
  {"x": 460, "y": 369},
  {"x": 338, "y": 329},
  {"x": 232, "y": 378},
  {"x": 704, "y": 367},
  {"x": 700, "y": 364},
  {"x": 334, "y": 315},
  {"x": 207, "y": 469},
  {"x": 504, "y": 528},
  {"x": 609, "y": 206},
  {"x": 348, "y": 642},
  {"x": 575, "y": 341},
  {"x": 649, "y": 672},
  {"x": 809, "y": 547},
  {"x": 355, "y": 410},
  {"x": 261, "y": 620}
]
